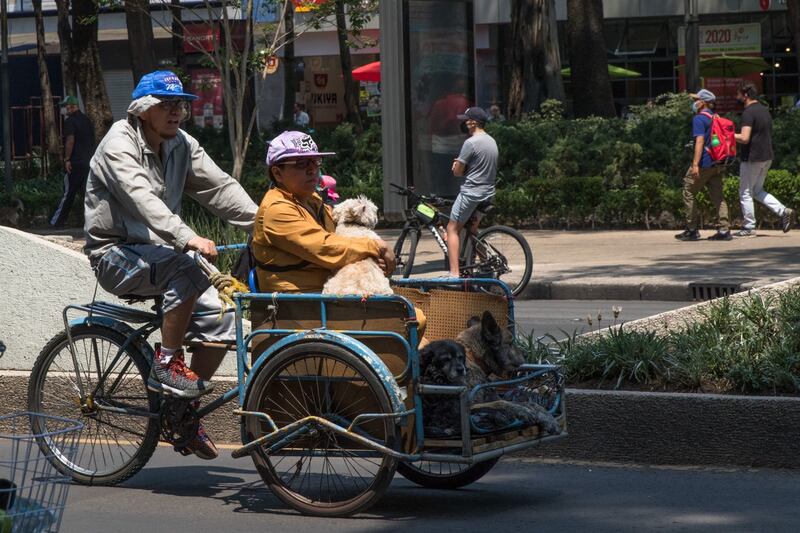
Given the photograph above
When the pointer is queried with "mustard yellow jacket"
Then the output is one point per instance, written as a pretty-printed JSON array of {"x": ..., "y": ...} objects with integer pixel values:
[{"x": 297, "y": 253}]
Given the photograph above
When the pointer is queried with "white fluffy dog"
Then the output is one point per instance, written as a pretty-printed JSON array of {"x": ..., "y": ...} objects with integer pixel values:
[{"x": 357, "y": 217}]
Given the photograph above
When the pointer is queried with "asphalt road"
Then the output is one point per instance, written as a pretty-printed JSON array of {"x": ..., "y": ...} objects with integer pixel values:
[
  {"x": 176, "y": 494},
  {"x": 561, "y": 318}
]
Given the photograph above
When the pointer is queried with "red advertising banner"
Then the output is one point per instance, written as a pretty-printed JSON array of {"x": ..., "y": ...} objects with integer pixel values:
[
  {"x": 207, "y": 110},
  {"x": 200, "y": 36}
]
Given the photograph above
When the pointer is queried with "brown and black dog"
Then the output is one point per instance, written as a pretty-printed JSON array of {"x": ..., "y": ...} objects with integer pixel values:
[{"x": 482, "y": 353}]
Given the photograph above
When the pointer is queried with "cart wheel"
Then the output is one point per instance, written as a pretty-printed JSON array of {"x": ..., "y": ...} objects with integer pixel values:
[
  {"x": 321, "y": 472},
  {"x": 438, "y": 475},
  {"x": 113, "y": 446}
]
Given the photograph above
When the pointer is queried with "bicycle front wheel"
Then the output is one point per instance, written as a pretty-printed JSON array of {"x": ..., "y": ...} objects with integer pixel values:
[
  {"x": 404, "y": 251},
  {"x": 502, "y": 253},
  {"x": 104, "y": 388}
]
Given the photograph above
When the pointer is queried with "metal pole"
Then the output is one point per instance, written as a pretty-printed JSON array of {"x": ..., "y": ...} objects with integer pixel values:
[
  {"x": 393, "y": 106},
  {"x": 692, "y": 40},
  {"x": 5, "y": 97}
]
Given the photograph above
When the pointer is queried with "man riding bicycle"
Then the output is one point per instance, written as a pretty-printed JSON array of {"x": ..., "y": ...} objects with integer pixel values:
[
  {"x": 477, "y": 164},
  {"x": 138, "y": 244}
]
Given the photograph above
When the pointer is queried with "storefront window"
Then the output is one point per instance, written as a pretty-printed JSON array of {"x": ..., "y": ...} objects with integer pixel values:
[{"x": 441, "y": 85}]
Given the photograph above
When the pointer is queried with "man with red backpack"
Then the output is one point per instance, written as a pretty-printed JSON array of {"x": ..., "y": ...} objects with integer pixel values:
[{"x": 706, "y": 170}]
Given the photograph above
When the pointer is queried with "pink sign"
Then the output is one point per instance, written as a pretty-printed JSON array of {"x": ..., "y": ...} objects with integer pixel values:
[{"x": 207, "y": 110}]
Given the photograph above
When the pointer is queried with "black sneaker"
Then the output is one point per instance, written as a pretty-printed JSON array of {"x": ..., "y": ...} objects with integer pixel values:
[
  {"x": 176, "y": 379},
  {"x": 787, "y": 219},
  {"x": 721, "y": 236},
  {"x": 688, "y": 235}
]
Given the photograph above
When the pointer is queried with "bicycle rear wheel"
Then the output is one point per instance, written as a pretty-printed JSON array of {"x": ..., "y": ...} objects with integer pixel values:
[
  {"x": 438, "y": 475},
  {"x": 502, "y": 253},
  {"x": 404, "y": 251},
  {"x": 114, "y": 445}
]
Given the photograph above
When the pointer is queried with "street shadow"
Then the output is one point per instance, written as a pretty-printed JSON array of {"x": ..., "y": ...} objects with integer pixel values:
[{"x": 236, "y": 489}]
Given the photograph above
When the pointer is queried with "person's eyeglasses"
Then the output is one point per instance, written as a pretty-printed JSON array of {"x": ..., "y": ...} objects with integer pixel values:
[
  {"x": 304, "y": 163},
  {"x": 174, "y": 105}
]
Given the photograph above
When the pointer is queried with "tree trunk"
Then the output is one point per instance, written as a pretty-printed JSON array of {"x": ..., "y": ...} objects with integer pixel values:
[
  {"x": 536, "y": 61},
  {"x": 793, "y": 18},
  {"x": 591, "y": 84},
  {"x": 177, "y": 37},
  {"x": 65, "y": 44},
  {"x": 87, "y": 65},
  {"x": 51, "y": 138},
  {"x": 289, "y": 73},
  {"x": 351, "y": 86},
  {"x": 140, "y": 38}
]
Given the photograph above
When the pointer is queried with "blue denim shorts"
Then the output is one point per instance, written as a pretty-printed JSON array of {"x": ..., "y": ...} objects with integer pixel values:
[{"x": 464, "y": 207}]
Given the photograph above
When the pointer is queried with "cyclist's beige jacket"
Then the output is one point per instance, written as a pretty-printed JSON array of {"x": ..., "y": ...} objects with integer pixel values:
[{"x": 134, "y": 196}]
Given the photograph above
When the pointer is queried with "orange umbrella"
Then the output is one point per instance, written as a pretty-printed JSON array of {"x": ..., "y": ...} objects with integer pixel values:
[{"x": 369, "y": 72}]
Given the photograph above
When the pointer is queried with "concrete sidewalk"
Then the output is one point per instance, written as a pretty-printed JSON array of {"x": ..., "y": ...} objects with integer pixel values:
[
  {"x": 627, "y": 265},
  {"x": 639, "y": 265}
]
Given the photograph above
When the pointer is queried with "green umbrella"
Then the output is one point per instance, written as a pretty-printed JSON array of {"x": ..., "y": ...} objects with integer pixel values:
[
  {"x": 613, "y": 71},
  {"x": 730, "y": 66}
]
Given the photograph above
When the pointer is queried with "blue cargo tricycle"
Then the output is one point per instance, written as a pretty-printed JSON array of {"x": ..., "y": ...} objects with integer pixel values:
[{"x": 328, "y": 389}]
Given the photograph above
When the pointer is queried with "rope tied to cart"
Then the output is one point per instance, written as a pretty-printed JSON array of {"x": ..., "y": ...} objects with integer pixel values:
[{"x": 226, "y": 284}]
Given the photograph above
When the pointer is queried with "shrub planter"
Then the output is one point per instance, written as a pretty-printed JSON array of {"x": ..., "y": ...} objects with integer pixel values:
[{"x": 679, "y": 429}]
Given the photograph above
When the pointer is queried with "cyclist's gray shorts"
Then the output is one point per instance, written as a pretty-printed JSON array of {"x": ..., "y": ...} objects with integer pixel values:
[
  {"x": 464, "y": 206},
  {"x": 151, "y": 270}
]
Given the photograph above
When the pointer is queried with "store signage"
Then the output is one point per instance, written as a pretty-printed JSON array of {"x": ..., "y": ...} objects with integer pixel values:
[
  {"x": 324, "y": 98},
  {"x": 271, "y": 67},
  {"x": 207, "y": 109},
  {"x": 731, "y": 39},
  {"x": 199, "y": 37},
  {"x": 321, "y": 80},
  {"x": 305, "y": 6}
]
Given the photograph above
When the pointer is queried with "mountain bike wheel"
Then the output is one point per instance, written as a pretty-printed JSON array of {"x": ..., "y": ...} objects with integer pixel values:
[
  {"x": 502, "y": 253},
  {"x": 316, "y": 470},
  {"x": 114, "y": 446},
  {"x": 404, "y": 251}
]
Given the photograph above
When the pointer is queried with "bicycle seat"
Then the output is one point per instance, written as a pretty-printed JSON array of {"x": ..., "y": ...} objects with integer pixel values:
[{"x": 486, "y": 207}]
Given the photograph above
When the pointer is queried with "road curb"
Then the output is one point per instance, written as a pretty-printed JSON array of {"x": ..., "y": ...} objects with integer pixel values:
[
  {"x": 679, "y": 429},
  {"x": 616, "y": 426}
]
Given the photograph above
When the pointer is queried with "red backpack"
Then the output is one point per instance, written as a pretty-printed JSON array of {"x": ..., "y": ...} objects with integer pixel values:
[{"x": 722, "y": 147}]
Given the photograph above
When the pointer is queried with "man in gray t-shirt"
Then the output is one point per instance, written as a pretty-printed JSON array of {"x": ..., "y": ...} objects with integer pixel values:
[{"x": 477, "y": 164}]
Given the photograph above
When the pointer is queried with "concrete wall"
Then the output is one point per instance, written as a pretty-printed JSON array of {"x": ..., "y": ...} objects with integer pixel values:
[{"x": 38, "y": 278}]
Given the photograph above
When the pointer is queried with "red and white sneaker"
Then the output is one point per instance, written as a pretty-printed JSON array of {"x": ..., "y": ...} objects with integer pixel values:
[
  {"x": 177, "y": 379},
  {"x": 201, "y": 445}
]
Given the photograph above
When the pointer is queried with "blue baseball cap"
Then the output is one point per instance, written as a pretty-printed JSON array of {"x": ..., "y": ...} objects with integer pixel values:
[{"x": 161, "y": 83}]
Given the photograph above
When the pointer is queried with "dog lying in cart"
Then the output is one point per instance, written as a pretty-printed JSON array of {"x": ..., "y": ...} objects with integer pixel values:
[{"x": 339, "y": 397}]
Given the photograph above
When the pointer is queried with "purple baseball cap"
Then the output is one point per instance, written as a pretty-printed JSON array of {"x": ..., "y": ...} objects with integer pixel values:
[{"x": 292, "y": 144}]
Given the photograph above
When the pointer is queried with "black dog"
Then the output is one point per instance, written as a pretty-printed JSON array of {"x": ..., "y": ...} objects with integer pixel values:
[
  {"x": 442, "y": 363},
  {"x": 483, "y": 353}
]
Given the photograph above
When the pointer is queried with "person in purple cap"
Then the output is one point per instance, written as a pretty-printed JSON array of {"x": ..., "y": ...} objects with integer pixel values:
[
  {"x": 294, "y": 243},
  {"x": 138, "y": 244}
]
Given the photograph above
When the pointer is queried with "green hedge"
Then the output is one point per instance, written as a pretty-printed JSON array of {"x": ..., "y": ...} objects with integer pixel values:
[
  {"x": 553, "y": 172},
  {"x": 749, "y": 346}
]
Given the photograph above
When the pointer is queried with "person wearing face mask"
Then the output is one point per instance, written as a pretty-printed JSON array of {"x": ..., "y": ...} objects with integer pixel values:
[
  {"x": 756, "y": 155},
  {"x": 703, "y": 173}
]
